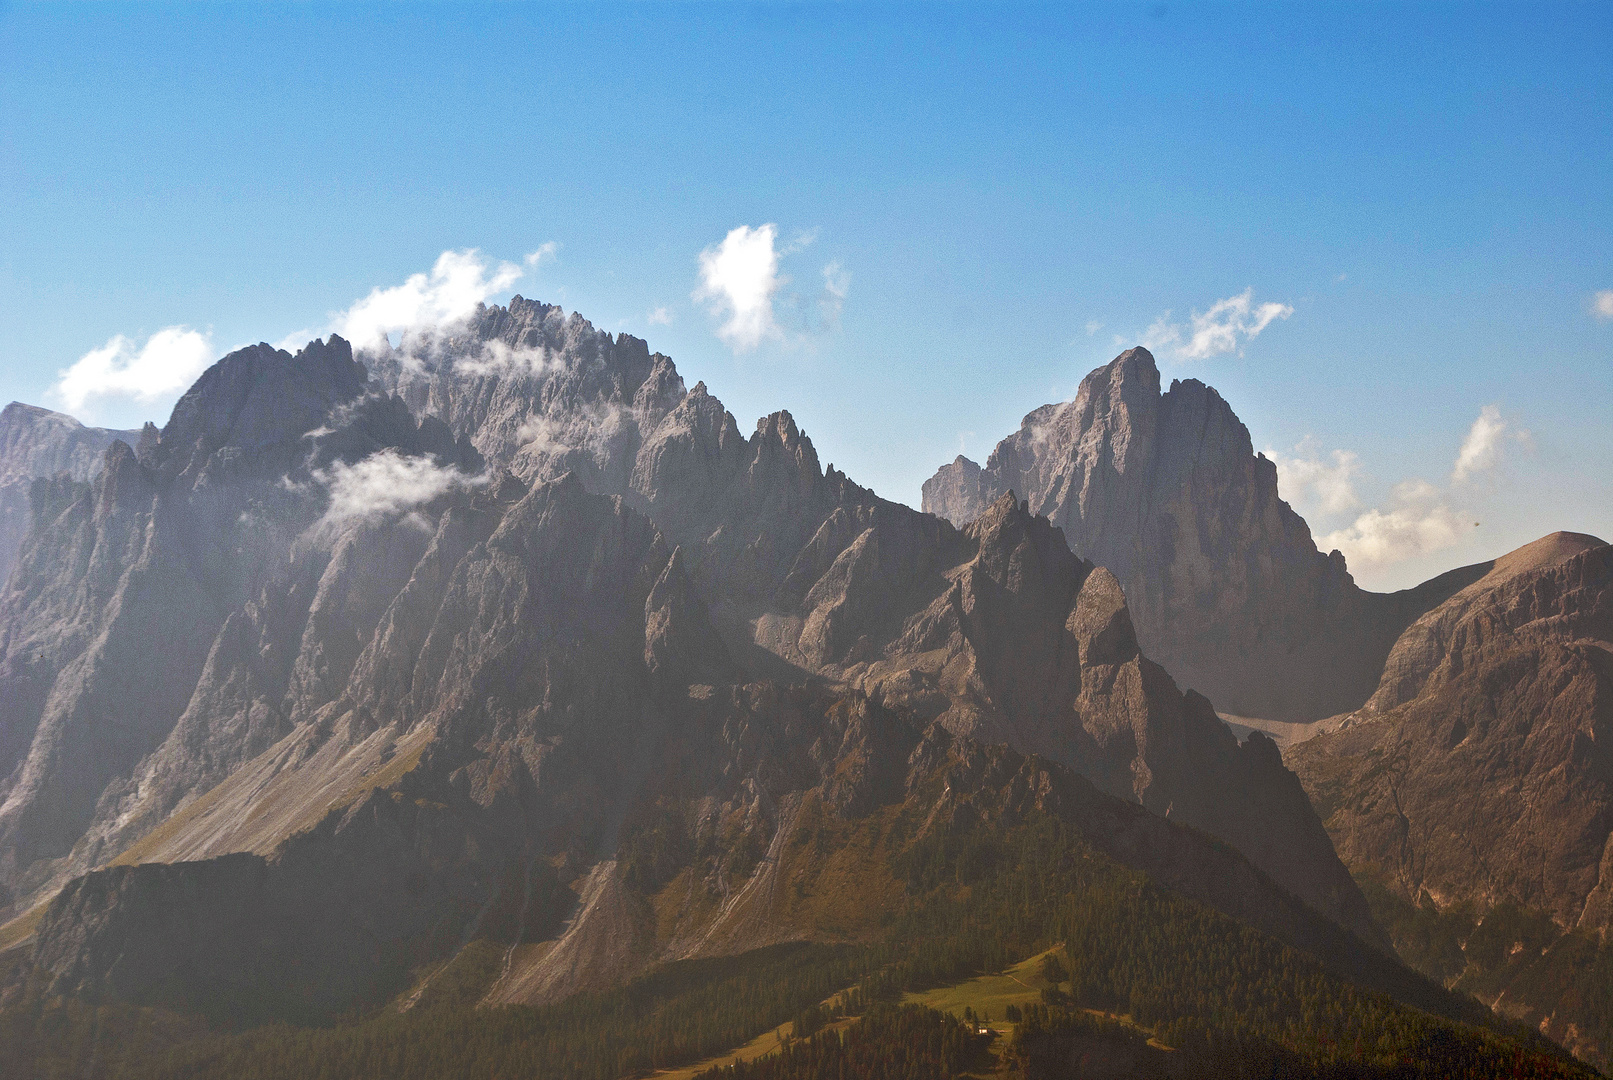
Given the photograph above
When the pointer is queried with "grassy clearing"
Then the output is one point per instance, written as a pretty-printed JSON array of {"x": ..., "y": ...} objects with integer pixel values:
[{"x": 989, "y": 995}]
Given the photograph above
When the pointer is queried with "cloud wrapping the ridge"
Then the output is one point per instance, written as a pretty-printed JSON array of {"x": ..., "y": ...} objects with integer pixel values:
[
  {"x": 496, "y": 358},
  {"x": 1224, "y": 328},
  {"x": 1308, "y": 480},
  {"x": 739, "y": 279},
  {"x": 164, "y": 366},
  {"x": 591, "y": 431},
  {"x": 1602, "y": 305},
  {"x": 1417, "y": 522},
  {"x": 385, "y": 484},
  {"x": 172, "y": 358},
  {"x": 459, "y": 280}
]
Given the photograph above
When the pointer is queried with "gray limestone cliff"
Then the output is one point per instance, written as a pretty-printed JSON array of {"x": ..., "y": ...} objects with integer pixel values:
[
  {"x": 37, "y": 444},
  {"x": 1224, "y": 582}
]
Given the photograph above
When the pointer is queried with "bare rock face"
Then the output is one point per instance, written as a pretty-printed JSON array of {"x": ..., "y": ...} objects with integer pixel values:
[
  {"x": 1225, "y": 585},
  {"x": 725, "y": 786},
  {"x": 538, "y": 391},
  {"x": 444, "y": 623},
  {"x": 37, "y": 444},
  {"x": 804, "y": 572},
  {"x": 1479, "y": 772},
  {"x": 174, "y": 580}
]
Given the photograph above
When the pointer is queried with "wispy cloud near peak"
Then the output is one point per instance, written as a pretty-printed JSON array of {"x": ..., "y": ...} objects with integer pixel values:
[
  {"x": 458, "y": 281},
  {"x": 1416, "y": 522},
  {"x": 385, "y": 484},
  {"x": 741, "y": 284},
  {"x": 1314, "y": 483},
  {"x": 425, "y": 302},
  {"x": 1224, "y": 328}
]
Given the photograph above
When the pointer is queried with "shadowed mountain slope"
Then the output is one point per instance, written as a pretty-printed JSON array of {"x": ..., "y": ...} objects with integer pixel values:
[
  {"x": 1478, "y": 770},
  {"x": 175, "y": 585},
  {"x": 1223, "y": 580},
  {"x": 980, "y": 629},
  {"x": 408, "y": 654},
  {"x": 549, "y": 736},
  {"x": 1477, "y": 781}
]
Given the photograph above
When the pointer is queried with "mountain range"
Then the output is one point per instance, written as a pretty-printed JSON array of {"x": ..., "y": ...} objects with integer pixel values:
[{"x": 505, "y": 635}]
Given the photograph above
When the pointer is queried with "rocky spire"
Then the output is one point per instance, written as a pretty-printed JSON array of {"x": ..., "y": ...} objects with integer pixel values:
[{"x": 1223, "y": 579}]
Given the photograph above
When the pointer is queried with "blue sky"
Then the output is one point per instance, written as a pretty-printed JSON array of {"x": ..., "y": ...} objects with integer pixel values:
[{"x": 999, "y": 193}]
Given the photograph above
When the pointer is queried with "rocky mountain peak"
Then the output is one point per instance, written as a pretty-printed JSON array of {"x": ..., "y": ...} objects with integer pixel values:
[
  {"x": 123, "y": 482},
  {"x": 258, "y": 401},
  {"x": 1224, "y": 582},
  {"x": 1025, "y": 553},
  {"x": 1123, "y": 393},
  {"x": 1553, "y": 549},
  {"x": 1540, "y": 588}
]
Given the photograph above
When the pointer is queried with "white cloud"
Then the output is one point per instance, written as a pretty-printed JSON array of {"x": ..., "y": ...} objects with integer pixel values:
[
  {"x": 589, "y": 430},
  {"x": 496, "y": 358},
  {"x": 163, "y": 367},
  {"x": 1481, "y": 450},
  {"x": 1224, "y": 328},
  {"x": 739, "y": 278},
  {"x": 425, "y": 303},
  {"x": 741, "y": 284},
  {"x": 457, "y": 283},
  {"x": 1309, "y": 481},
  {"x": 385, "y": 484},
  {"x": 1417, "y": 522},
  {"x": 1602, "y": 305},
  {"x": 661, "y": 316},
  {"x": 1093, "y": 326},
  {"x": 1418, "y": 519}
]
